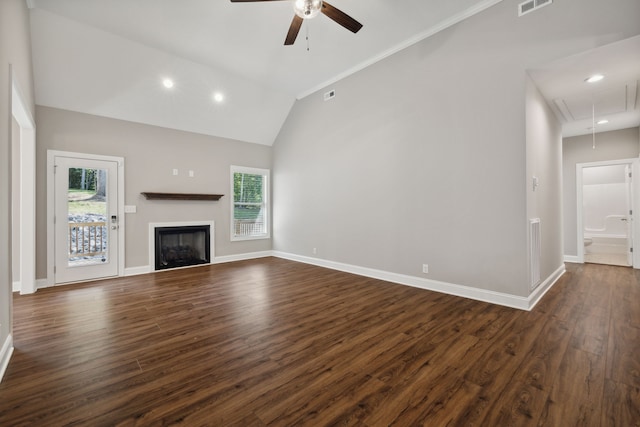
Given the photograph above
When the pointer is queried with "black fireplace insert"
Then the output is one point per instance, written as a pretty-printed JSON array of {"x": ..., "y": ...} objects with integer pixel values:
[{"x": 182, "y": 246}]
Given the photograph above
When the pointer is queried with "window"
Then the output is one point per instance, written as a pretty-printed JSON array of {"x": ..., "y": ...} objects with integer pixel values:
[{"x": 250, "y": 207}]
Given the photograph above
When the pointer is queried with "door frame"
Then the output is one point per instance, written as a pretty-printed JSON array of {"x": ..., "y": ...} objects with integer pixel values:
[
  {"x": 27, "y": 190},
  {"x": 51, "y": 155},
  {"x": 635, "y": 205}
]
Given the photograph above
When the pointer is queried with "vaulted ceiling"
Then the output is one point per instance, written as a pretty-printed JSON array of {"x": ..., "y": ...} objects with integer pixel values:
[{"x": 110, "y": 58}]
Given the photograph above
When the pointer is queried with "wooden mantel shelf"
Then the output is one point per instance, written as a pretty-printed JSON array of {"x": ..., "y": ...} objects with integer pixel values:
[{"x": 180, "y": 196}]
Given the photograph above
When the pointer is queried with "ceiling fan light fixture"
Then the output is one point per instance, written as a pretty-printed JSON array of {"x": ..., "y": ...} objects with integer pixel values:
[{"x": 307, "y": 9}]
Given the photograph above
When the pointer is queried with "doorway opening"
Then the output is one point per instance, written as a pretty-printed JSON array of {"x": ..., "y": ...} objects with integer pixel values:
[{"x": 605, "y": 212}]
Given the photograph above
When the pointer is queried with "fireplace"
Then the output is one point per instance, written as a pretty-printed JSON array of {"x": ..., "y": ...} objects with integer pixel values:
[{"x": 174, "y": 245}]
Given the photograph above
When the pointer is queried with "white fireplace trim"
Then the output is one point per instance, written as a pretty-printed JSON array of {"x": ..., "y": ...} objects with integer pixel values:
[{"x": 152, "y": 239}]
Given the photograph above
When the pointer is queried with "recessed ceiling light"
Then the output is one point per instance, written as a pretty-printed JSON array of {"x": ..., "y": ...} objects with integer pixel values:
[
  {"x": 168, "y": 83},
  {"x": 603, "y": 122},
  {"x": 594, "y": 78},
  {"x": 218, "y": 97}
]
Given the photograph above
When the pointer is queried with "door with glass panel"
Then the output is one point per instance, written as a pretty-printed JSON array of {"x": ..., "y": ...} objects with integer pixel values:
[{"x": 86, "y": 219}]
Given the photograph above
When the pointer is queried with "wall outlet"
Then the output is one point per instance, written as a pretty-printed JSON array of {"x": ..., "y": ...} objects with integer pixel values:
[
  {"x": 425, "y": 268},
  {"x": 315, "y": 251}
]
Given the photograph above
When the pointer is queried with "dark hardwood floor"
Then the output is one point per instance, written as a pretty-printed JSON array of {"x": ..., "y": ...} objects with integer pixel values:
[{"x": 274, "y": 342}]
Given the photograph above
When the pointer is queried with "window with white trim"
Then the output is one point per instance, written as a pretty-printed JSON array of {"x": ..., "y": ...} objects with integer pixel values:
[{"x": 250, "y": 206}]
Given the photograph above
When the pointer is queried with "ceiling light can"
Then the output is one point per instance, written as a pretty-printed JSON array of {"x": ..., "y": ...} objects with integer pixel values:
[
  {"x": 594, "y": 78},
  {"x": 167, "y": 82}
]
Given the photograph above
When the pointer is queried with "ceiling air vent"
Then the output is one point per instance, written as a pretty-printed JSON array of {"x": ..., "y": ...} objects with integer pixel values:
[{"x": 531, "y": 5}]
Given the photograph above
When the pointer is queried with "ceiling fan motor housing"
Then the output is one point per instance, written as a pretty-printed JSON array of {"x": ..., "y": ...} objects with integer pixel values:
[{"x": 307, "y": 9}]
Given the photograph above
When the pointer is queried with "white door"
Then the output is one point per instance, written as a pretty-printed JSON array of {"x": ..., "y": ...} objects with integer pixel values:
[{"x": 86, "y": 219}]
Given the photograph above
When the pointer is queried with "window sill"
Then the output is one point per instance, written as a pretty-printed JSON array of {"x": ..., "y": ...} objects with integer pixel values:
[{"x": 244, "y": 238}]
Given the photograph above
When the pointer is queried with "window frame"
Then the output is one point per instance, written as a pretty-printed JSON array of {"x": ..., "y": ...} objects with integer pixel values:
[{"x": 266, "y": 201}]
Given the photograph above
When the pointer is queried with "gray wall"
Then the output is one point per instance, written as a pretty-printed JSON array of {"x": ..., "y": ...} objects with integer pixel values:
[
  {"x": 15, "y": 50},
  {"x": 150, "y": 154},
  {"x": 615, "y": 145},
  {"x": 544, "y": 161},
  {"x": 420, "y": 158}
]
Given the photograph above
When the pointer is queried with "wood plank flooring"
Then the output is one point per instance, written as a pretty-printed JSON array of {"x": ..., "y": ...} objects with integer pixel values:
[{"x": 272, "y": 342}]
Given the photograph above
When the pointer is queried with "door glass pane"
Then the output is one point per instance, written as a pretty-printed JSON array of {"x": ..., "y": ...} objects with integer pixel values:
[{"x": 87, "y": 217}]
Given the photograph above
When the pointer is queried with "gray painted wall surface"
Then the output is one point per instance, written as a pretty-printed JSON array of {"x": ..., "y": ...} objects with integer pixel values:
[
  {"x": 151, "y": 153},
  {"x": 615, "y": 145},
  {"x": 15, "y": 49},
  {"x": 544, "y": 161},
  {"x": 420, "y": 158}
]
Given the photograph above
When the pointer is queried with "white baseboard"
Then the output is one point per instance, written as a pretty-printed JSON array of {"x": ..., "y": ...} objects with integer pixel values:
[
  {"x": 542, "y": 288},
  {"x": 500, "y": 298},
  {"x": 134, "y": 271},
  {"x": 16, "y": 286},
  {"x": 144, "y": 269},
  {"x": 43, "y": 283},
  {"x": 241, "y": 257},
  {"x": 572, "y": 258},
  {"x": 5, "y": 354}
]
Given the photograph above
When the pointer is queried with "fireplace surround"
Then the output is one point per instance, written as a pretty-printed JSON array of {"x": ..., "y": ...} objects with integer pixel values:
[{"x": 180, "y": 244}]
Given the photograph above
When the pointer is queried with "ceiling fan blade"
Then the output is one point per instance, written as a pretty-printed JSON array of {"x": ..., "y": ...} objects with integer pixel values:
[
  {"x": 293, "y": 30},
  {"x": 340, "y": 17}
]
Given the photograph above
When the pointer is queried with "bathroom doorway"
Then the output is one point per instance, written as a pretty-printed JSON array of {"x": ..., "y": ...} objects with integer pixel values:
[{"x": 605, "y": 212}]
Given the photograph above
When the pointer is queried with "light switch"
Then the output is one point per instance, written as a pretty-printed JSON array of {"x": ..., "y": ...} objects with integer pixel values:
[
  {"x": 175, "y": 172},
  {"x": 130, "y": 209},
  {"x": 191, "y": 174}
]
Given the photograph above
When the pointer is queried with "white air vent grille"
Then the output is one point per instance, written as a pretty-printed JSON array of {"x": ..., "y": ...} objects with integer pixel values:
[
  {"x": 531, "y": 5},
  {"x": 535, "y": 252},
  {"x": 329, "y": 95}
]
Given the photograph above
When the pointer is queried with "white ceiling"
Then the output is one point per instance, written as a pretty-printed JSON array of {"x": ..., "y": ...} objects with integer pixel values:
[
  {"x": 108, "y": 58},
  {"x": 615, "y": 98}
]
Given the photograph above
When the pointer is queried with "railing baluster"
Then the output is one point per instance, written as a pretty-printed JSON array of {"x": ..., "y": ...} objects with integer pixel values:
[{"x": 85, "y": 231}]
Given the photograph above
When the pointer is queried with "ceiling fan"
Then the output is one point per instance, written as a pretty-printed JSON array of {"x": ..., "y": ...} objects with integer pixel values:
[{"x": 307, "y": 9}]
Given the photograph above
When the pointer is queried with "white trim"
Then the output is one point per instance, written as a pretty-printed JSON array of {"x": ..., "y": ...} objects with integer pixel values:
[
  {"x": 144, "y": 269},
  {"x": 572, "y": 258},
  {"x": 543, "y": 287},
  {"x": 152, "y": 240},
  {"x": 135, "y": 271},
  {"x": 453, "y": 20},
  {"x": 43, "y": 283},
  {"x": 635, "y": 205},
  {"x": 5, "y": 354},
  {"x": 242, "y": 257},
  {"x": 27, "y": 191},
  {"x": 51, "y": 155},
  {"x": 500, "y": 298},
  {"x": 16, "y": 286}
]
